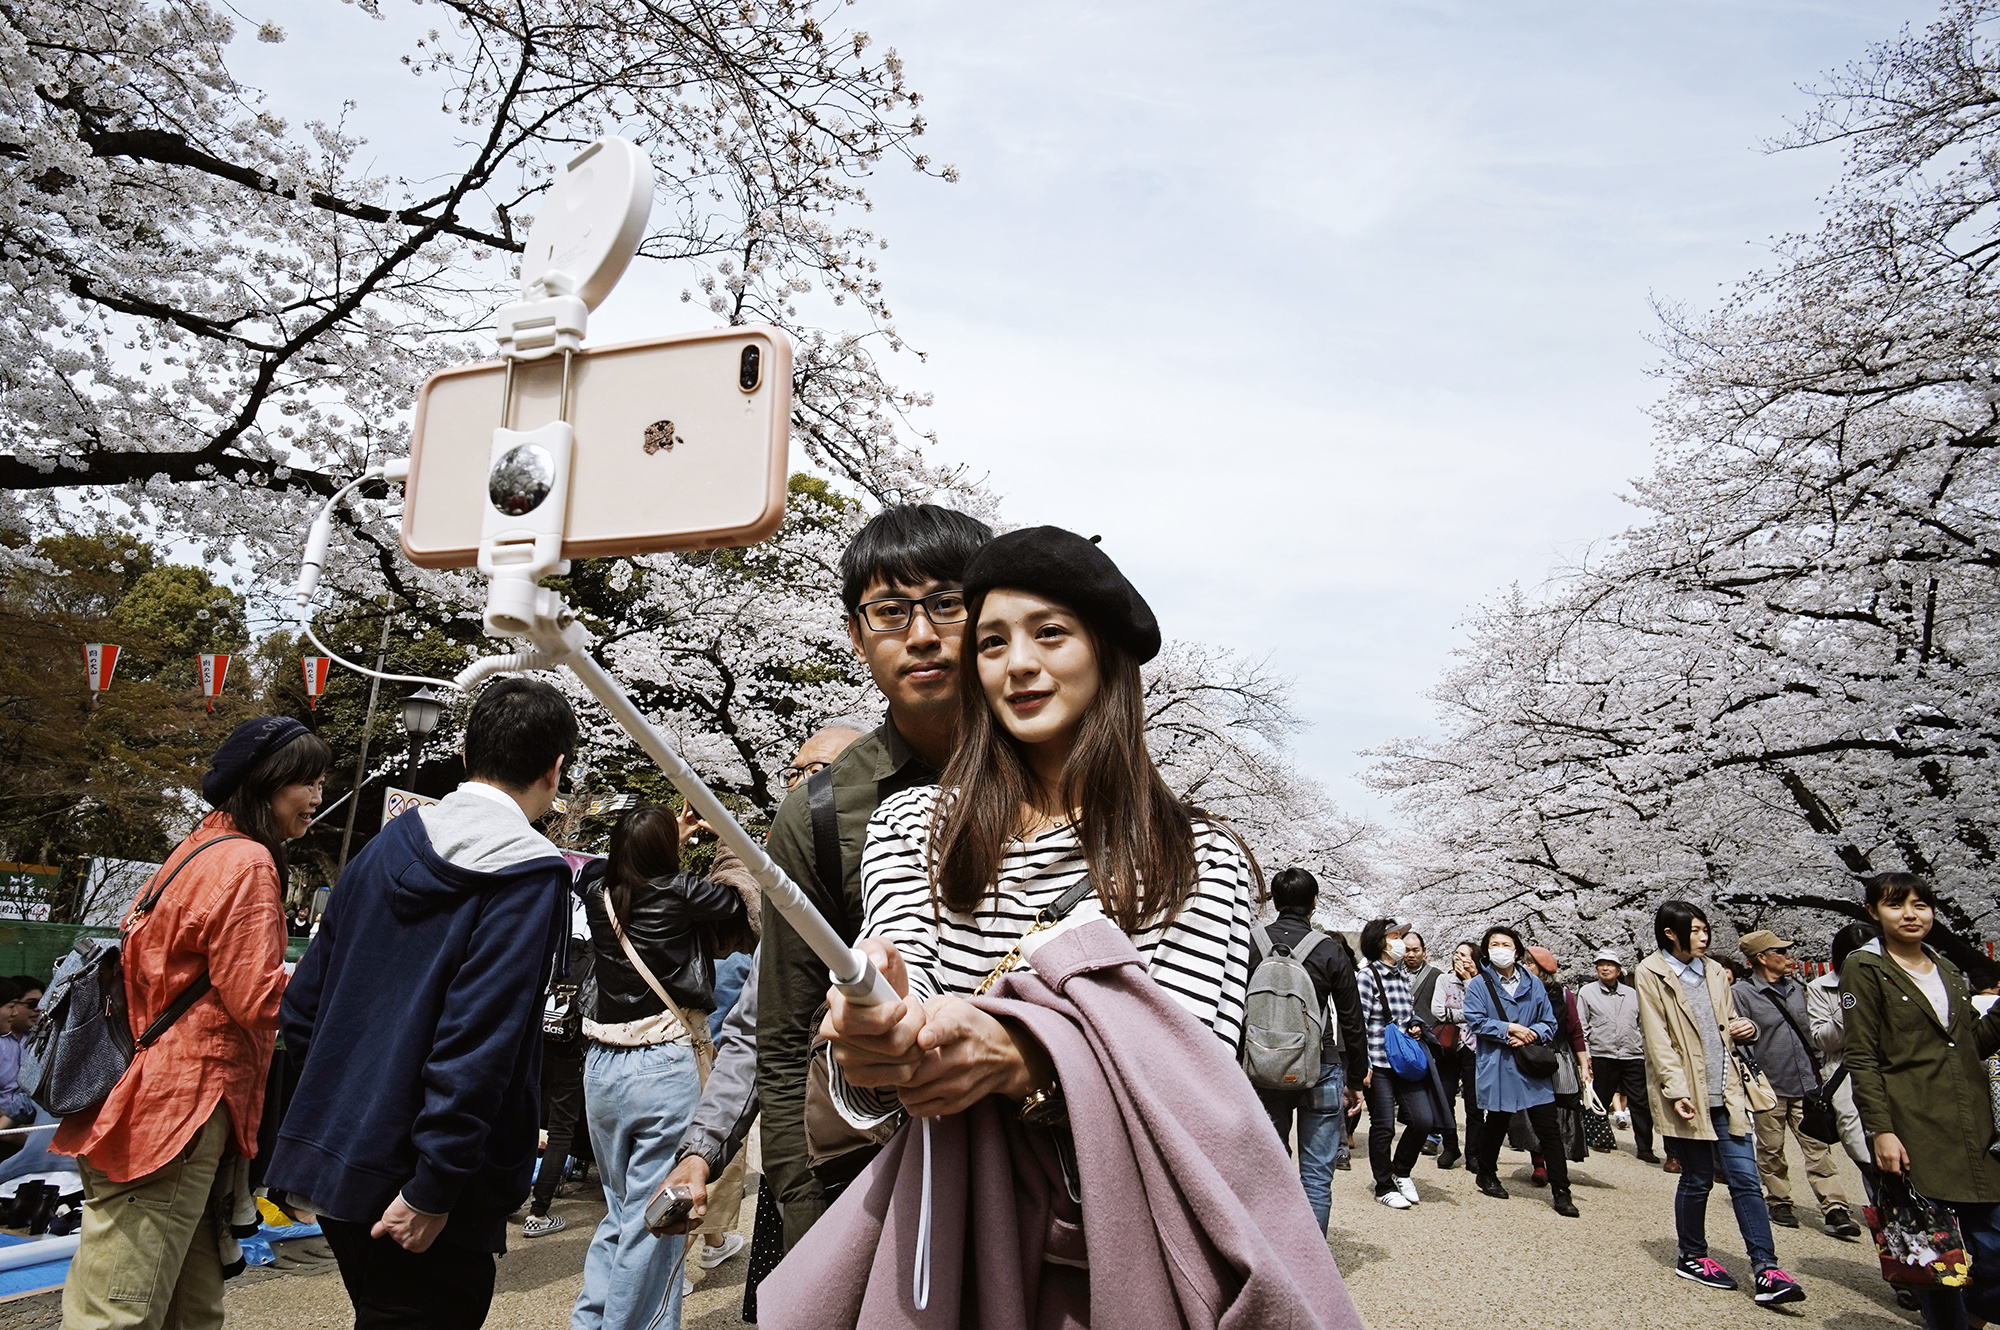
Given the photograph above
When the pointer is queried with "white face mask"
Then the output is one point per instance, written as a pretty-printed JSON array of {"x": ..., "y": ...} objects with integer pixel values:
[
  {"x": 1502, "y": 957},
  {"x": 1396, "y": 948}
]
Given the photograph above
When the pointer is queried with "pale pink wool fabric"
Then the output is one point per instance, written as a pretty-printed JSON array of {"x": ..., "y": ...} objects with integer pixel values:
[{"x": 1192, "y": 1213}]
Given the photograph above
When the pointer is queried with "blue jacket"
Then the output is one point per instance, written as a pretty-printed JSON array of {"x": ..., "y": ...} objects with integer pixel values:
[
  {"x": 416, "y": 1017},
  {"x": 1502, "y": 1087}
]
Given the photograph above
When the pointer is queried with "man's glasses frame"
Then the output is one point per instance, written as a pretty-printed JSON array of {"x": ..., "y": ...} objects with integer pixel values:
[{"x": 881, "y": 616}]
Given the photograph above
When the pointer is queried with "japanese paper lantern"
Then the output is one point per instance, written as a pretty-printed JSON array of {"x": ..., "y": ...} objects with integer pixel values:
[
  {"x": 315, "y": 668},
  {"x": 100, "y": 660},
  {"x": 213, "y": 670}
]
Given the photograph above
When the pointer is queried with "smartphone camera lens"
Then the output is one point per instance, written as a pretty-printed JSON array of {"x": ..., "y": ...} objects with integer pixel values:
[{"x": 750, "y": 369}]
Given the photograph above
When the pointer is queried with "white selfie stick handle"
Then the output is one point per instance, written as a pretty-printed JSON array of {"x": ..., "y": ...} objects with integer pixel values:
[{"x": 853, "y": 973}]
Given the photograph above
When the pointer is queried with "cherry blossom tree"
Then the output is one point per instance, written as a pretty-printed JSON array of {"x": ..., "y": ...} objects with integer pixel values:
[{"x": 1782, "y": 676}]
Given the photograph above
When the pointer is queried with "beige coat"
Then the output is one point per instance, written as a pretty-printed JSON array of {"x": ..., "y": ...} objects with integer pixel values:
[{"x": 1676, "y": 1058}]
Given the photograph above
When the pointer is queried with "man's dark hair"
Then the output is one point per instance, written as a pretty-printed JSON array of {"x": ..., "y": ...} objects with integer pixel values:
[
  {"x": 1294, "y": 889},
  {"x": 517, "y": 730},
  {"x": 909, "y": 544},
  {"x": 1678, "y": 916},
  {"x": 1413, "y": 933}
]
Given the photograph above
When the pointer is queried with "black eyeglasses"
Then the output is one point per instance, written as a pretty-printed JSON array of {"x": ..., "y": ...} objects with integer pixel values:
[
  {"x": 892, "y": 614},
  {"x": 793, "y": 775}
]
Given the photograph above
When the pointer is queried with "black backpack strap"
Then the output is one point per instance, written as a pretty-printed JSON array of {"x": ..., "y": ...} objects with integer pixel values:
[
  {"x": 826, "y": 836},
  {"x": 176, "y": 1009},
  {"x": 152, "y": 898},
  {"x": 202, "y": 983}
]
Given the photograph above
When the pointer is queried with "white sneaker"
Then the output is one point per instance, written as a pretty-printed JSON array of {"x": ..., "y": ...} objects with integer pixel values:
[
  {"x": 687, "y": 1286},
  {"x": 711, "y": 1257},
  {"x": 1409, "y": 1191},
  {"x": 1395, "y": 1200}
]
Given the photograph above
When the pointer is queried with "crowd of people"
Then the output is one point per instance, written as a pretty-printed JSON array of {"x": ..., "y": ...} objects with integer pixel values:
[{"x": 1072, "y": 948}]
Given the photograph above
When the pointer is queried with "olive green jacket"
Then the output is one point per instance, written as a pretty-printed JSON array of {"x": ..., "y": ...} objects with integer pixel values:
[
  {"x": 791, "y": 981},
  {"x": 1922, "y": 1078}
]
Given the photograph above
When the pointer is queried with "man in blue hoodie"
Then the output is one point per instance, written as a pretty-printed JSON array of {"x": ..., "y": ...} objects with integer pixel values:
[{"x": 415, "y": 1016}]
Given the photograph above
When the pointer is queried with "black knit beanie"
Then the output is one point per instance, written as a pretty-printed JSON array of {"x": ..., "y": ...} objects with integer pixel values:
[
  {"x": 247, "y": 745},
  {"x": 1062, "y": 565}
]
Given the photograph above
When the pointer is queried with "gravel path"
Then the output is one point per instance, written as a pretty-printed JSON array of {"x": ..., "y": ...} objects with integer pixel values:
[{"x": 1459, "y": 1257}]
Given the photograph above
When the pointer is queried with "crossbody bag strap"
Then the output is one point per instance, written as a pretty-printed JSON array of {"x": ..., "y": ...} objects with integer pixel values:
[
  {"x": 1785, "y": 1014},
  {"x": 1047, "y": 917},
  {"x": 704, "y": 1051}
]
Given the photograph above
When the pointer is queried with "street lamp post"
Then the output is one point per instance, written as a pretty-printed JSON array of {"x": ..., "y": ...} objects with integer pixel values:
[{"x": 421, "y": 711}]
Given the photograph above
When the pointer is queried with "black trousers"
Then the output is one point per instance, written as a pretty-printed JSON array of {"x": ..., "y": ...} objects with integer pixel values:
[
  {"x": 1455, "y": 1068},
  {"x": 1387, "y": 1095},
  {"x": 1542, "y": 1117},
  {"x": 1627, "y": 1076},
  {"x": 562, "y": 1109},
  {"x": 443, "y": 1288}
]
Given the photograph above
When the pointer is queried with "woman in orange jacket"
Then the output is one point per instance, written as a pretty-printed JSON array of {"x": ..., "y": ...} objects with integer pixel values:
[{"x": 152, "y": 1153}]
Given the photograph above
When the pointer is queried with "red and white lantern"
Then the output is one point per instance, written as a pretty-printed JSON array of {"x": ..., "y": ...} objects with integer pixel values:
[
  {"x": 315, "y": 668},
  {"x": 213, "y": 670},
  {"x": 100, "y": 660}
]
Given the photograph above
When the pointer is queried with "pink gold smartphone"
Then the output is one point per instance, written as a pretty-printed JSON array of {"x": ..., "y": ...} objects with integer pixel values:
[{"x": 681, "y": 443}]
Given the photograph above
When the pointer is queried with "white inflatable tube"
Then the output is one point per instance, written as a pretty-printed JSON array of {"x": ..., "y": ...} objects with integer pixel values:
[{"x": 37, "y": 1252}]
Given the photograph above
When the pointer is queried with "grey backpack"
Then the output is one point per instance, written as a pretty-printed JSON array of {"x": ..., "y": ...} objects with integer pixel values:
[{"x": 1283, "y": 1023}]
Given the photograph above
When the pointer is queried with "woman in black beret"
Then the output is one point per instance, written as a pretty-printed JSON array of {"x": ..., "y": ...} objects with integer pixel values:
[
  {"x": 206, "y": 936},
  {"x": 1049, "y": 788}
]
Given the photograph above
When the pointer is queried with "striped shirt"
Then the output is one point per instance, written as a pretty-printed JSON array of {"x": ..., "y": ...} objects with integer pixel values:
[
  {"x": 1393, "y": 982},
  {"x": 1202, "y": 958}
]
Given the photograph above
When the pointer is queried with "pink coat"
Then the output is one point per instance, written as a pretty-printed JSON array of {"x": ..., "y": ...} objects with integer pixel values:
[{"x": 1191, "y": 1215}]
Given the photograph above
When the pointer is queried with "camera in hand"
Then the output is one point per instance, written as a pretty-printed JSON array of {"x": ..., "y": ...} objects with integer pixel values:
[{"x": 671, "y": 1206}]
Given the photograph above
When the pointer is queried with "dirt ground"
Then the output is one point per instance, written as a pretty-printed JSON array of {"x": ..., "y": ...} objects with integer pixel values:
[{"x": 1459, "y": 1257}]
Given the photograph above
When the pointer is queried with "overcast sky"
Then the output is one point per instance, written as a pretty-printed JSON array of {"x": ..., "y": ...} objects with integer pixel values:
[{"x": 1331, "y": 318}]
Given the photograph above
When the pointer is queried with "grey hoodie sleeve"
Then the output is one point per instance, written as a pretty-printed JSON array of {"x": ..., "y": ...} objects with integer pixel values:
[{"x": 729, "y": 1101}]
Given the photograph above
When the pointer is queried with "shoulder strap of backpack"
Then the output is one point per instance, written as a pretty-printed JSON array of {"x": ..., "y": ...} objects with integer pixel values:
[
  {"x": 152, "y": 897},
  {"x": 176, "y": 1009},
  {"x": 826, "y": 834},
  {"x": 202, "y": 982},
  {"x": 1262, "y": 937}
]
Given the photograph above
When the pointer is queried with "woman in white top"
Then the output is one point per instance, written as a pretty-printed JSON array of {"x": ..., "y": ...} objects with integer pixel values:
[{"x": 1050, "y": 784}]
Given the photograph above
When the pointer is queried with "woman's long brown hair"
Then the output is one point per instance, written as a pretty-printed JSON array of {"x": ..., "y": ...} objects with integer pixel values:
[
  {"x": 645, "y": 844},
  {"x": 1137, "y": 838}
]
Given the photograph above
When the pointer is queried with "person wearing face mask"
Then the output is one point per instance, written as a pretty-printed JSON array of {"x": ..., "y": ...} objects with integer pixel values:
[
  {"x": 1509, "y": 1008},
  {"x": 1700, "y": 1098},
  {"x": 1915, "y": 1049},
  {"x": 1385, "y": 1000}
]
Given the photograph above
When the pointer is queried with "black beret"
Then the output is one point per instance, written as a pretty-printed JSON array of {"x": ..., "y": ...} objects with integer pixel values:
[
  {"x": 1062, "y": 565},
  {"x": 247, "y": 745}
]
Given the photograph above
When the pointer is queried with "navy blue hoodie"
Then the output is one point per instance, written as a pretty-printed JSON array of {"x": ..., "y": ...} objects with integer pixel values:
[{"x": 416, "y": 1013}]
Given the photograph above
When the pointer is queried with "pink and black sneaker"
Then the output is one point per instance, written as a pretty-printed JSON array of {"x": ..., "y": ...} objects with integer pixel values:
[
  {"x": 1774, "y": 1286},
  {"x": 1702, "y": 1270}
]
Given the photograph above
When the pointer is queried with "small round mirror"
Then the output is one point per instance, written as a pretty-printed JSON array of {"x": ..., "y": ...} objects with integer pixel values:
[{"x": 521, "y": 479}]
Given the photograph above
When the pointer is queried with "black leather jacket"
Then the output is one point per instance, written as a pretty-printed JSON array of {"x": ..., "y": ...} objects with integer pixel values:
[{"x": 671, "y": 924}]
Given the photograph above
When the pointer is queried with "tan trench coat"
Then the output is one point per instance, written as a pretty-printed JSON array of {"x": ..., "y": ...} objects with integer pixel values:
[{"x": 1676, "y": 1058}]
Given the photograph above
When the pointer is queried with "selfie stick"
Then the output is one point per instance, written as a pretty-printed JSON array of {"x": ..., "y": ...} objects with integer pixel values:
[{"x": 590, "y": 226}]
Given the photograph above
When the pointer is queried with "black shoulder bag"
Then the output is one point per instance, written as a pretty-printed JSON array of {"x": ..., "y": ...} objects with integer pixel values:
[
  {"x": 1538, "y": 1060},
  {"x": 1816, "y": 1116}
]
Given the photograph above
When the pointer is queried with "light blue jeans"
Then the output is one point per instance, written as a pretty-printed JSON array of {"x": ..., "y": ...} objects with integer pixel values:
[
  {"x": 638, "y": 1102},
  {"x": 1322, "y": 1131}
]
